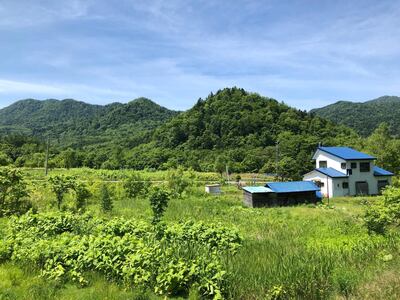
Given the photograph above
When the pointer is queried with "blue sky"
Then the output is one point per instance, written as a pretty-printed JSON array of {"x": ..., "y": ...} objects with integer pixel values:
[{"x": 305, "y": 53}]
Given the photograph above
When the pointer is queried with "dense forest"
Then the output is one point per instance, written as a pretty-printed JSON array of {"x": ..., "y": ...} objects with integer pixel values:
[
  {"x": 244, "y": 131},
  {"x": 364, "y": 117},
  {"x": 77, "y": 124}
]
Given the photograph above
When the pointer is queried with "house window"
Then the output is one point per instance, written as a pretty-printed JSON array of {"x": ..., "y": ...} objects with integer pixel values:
[
  {"x": 343, "y": 165},
  {"x": 319, "y": 183},
  {"x": 354, "y": 165},
  {"x": 345, "y": 185},
  {"x": 364, "y": 166},
  {"x": 323, "y": 164},
  {"x": 349, "y": 171}
]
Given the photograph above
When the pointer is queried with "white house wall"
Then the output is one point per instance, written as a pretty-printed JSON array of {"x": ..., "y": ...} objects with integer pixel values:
[
  {"x": 334, "y": 185},
  {"x": 362, "y": 176},
  {"x": 317, "y": 176},
  {"x": 337, "y": 189},
  {"x": 332, "y": 161}
]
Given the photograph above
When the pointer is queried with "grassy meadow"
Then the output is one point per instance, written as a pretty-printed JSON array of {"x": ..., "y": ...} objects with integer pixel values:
[{"x": 304, "y": 252}]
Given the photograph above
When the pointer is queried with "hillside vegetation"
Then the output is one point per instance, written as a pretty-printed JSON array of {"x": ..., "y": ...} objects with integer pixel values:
[
  {"x": 244, "y": 131},
  {"x": 75, "y": 123},
  {"x": 364, "y": 117}
]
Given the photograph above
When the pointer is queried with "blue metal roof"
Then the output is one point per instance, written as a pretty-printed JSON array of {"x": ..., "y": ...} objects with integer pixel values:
[
  {"x": 346, "y": 153},
  {"x": 257, "y": 189},
  {"x": 381, "y": 172},
  {"x": 292, "y": 186},
  {"x": 331, "y": 172}
]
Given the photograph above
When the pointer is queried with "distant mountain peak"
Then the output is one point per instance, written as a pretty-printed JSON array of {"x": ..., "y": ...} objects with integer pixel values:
[
  {"x": 364, "y": 117},
  {"x": 58, "y": 117}
]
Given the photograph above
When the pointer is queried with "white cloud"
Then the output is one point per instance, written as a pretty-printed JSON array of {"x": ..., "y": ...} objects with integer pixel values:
[
  {"x": 25, "y": 13},
  {"x": 12, "y": 86}
]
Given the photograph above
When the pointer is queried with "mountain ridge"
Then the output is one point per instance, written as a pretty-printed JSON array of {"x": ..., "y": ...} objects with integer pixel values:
[
  {"x": 364, "y": 117},
  {"x": 69, "y": 118}
]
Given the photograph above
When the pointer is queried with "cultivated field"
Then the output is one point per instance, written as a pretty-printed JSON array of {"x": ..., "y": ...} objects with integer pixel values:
[{"x": 303, "y": 252}]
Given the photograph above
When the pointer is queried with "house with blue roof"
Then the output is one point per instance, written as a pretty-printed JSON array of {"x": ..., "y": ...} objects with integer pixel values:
[{"x": 343, "y": 171}]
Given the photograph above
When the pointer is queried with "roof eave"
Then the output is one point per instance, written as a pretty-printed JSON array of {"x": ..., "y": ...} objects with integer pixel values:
[
  {"x": 344, "y": 176},
  {"x": 371, "y": 158}
]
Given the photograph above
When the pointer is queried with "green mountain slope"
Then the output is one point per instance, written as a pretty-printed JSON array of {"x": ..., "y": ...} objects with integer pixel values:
[
  {"x": 364, "y": 117},
  {"x": 231, "y": 127},
  {"x": 240, "y": 129},
  {"x": 235, "y": 118},
  {"x": 77, "y": 123}
]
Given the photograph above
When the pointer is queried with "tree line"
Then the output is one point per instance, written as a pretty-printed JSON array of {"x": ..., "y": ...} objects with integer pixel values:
[{"x": 234, "y": 128}]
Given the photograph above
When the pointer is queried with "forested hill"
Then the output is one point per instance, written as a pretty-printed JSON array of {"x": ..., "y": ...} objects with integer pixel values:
[
  {"x": 240, "y": 129},
  {"x": 364, "y": 117},
  {"x": 235, "y": 118},
  {"x": 231, "y": 127},
  {"x": 71, "y": 121}
]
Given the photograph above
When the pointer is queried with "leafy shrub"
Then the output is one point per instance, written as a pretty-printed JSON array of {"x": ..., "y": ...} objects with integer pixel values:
[
  {"x": 13, "y": 192},
  {"x": 159, "y": 199},
  {"x": 5, "y": 160},
  {"x": 66, "y": 246},
  {"x": 178, "y": 182},
  {"x": 384, "y": 213},
  {"x": 105, "y": 199},
  {"x": 136, "y": 186},
  {"x": 82, "y": 195},
  {"x": 60, "y": 185}
]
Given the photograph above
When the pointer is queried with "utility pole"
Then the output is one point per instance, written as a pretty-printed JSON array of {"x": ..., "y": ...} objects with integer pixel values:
[
  {"x": 277, "y": 159},
  {"x": 46, "y": 163},
  {"x": 327, "y": 188}
]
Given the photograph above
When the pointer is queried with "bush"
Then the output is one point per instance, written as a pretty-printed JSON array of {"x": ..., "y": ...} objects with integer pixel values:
[
  {"x": 82, "y": 195},
  {"x": 60, "y": 185},
  {"x": 5, "y": 160},
  {"x": 384, "y": 213},
  {"x": 159, "y": 199},
  {"x": 136, "y": 186},
  {"x": 179, "y": 182},
  {"x": 64, "y": 247},
  {"x": 105, "y": 198},
  {"x": 13, "y": 192}
]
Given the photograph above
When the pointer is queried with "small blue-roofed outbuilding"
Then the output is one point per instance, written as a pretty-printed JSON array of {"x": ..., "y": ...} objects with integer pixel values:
[{"x": 281, "y": 193}]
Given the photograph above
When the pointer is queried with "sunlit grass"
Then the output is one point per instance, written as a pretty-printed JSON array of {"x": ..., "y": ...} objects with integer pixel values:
[{"x": 303, "y": 252}]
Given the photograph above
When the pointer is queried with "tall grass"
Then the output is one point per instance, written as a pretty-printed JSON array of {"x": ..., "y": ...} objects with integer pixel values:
[{"x": 302, "y": 252}]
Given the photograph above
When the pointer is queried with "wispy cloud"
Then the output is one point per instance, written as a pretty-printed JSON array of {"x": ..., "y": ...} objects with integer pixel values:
[
  {"x": 176, "y": 51},
  {"x": 25, "y": 13},
  {"x": 12, "y": 86}
]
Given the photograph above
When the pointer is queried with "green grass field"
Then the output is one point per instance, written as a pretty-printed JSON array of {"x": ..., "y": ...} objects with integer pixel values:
[{"x": 302, "y": 252}]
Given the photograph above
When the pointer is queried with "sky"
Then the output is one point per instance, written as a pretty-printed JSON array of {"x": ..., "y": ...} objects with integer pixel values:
[{"x": 305, "y": 53}]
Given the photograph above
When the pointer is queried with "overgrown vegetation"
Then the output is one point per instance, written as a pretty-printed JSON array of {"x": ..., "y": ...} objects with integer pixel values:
[
  {"x": 13, "y": 192},
  {"x": 202, "y": 245},
  {"x": 384, "y": 214},
  {"x": 65, "y": 247}
]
